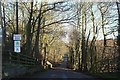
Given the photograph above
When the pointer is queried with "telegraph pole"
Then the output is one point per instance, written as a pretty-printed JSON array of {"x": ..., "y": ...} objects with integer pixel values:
[
  {"x": 17, "y": 42},
  {"x": 16, "y": 35},
  {"x": 16, "y": 16}
]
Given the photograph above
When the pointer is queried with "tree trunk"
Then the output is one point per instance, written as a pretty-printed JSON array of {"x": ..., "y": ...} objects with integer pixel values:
[
  {"x": 83, "y": 65},
  {"x": 45, "y": 54},
  {"x": 28, "y": 33},
  {"x": 1, "y": 47},
  {"x": 93, "y": 47},
  {"x": 4, "y": 29},
  {"x": 37, "y": 51},
  {"x": 118, "y": 40}
]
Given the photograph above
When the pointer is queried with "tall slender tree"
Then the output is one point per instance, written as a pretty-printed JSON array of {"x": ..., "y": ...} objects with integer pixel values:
[
  {"x": 118, "y": 40},
  {"x": 28, "y": 31}
]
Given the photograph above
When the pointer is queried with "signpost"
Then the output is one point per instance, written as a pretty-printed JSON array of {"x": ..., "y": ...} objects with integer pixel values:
[
  {"x": 17, "y": 43},
  {"x": 17, "y": 49},
  {"x": 17, "y": 38}
]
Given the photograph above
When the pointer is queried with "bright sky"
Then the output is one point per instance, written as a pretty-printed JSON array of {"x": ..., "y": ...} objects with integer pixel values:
[
  {"x": 74, "y": 0},
  {"x": 100, "y": 33},
  {"x": 67, "y": 29}
]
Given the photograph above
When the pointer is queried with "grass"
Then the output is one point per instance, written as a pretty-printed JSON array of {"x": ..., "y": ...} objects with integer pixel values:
[
  {"x": 106, "y": 76},
  {"x": 29, "y": 71}
]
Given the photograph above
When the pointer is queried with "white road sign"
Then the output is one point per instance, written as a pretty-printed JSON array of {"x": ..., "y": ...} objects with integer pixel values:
[
  {"x": 17, "y": 37},
  {"x": 17, "y": 49}
]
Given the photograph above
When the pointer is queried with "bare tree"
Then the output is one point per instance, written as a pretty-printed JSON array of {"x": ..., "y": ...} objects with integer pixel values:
[
  {"x": 28, "y": 31},
  {"x": 118, "y": 40}
]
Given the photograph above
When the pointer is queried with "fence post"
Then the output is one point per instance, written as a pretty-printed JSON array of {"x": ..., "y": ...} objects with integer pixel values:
[{"x": 10, "y": 57}]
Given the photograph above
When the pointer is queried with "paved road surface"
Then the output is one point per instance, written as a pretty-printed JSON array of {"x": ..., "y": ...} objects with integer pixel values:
[{"x": 62, "y": 73}]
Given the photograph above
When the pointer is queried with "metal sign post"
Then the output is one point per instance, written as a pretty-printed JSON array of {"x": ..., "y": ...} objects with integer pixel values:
[{"x": 17, "y": 46}]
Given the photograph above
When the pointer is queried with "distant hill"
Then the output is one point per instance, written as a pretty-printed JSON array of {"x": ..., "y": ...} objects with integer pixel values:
[{"x": 109, "y": 42}]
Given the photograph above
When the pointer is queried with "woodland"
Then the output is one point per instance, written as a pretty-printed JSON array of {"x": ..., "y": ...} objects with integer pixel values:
[{"x": 87, "y": 32}]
